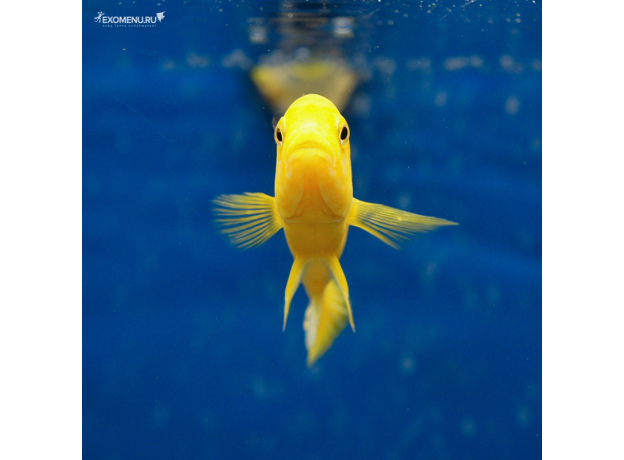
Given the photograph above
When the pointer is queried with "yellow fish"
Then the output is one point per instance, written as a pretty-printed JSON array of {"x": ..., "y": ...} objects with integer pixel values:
[{"x": 314, "y": 204}]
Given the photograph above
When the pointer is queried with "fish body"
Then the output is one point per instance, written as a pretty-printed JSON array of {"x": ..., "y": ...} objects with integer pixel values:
[
  {"x": 314, "y": 204},
  {"x": 281, "y": 80}
]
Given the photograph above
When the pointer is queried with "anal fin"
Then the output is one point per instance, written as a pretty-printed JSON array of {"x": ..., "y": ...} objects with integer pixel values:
[
  {"x": 294, "y": 279},
  {"x": 341, "y": 282}
]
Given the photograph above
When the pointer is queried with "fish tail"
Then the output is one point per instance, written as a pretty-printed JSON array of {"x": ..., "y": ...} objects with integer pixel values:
[
  {"x": 328, "y": 312},
  {"x": 329, "y": 309},
  {"x": 325, "y": 318}
]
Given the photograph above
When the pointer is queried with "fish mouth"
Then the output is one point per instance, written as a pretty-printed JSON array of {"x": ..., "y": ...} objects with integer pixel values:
[{"x": 309, "y": 149}]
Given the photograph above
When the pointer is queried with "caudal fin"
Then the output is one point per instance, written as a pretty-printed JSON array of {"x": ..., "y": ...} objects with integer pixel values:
[{"x": 325, "y": 318}]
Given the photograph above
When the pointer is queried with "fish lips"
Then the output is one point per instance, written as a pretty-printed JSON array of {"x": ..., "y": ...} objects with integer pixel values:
[{"x": 311, "y": 152}]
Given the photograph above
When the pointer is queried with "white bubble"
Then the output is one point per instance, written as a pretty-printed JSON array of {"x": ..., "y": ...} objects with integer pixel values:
[
  {"x": 441, "y": 98},
  {"x": 512, "y": 105},
  {"x": 456, "y": 63},
  {"x": 194, "y": 60},
  {"x": 509, "y": 64},
  {"x": 408, "y": 365},
  {"x": 237, "y": 58}
]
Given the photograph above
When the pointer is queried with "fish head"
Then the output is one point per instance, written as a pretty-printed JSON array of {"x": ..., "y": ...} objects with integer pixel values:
[{"x": 313, "y": 173}]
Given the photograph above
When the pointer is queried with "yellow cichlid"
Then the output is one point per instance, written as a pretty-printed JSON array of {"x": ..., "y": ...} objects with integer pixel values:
[{"x": 314, "y": 204}]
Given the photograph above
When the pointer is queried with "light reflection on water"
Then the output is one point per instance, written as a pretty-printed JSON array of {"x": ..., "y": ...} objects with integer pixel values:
[{"x": 351, "y": 41}]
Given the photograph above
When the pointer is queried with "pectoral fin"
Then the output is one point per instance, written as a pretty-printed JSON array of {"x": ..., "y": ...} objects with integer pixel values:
[
  {"x": 391, "y": 225},
  {"x": 248, "y": 220}
]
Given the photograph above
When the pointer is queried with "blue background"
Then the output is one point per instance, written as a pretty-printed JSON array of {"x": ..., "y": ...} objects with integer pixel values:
[{"x": 183, "y": 353}]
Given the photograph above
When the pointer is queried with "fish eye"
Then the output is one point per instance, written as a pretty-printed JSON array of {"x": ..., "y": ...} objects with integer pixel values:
[
  {"x": 279, "y": 138},
  {"x": 344, "y": 134}
]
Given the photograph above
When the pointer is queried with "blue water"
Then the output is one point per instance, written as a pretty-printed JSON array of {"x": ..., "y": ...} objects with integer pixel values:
[{"x": 183, "y": 353}]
